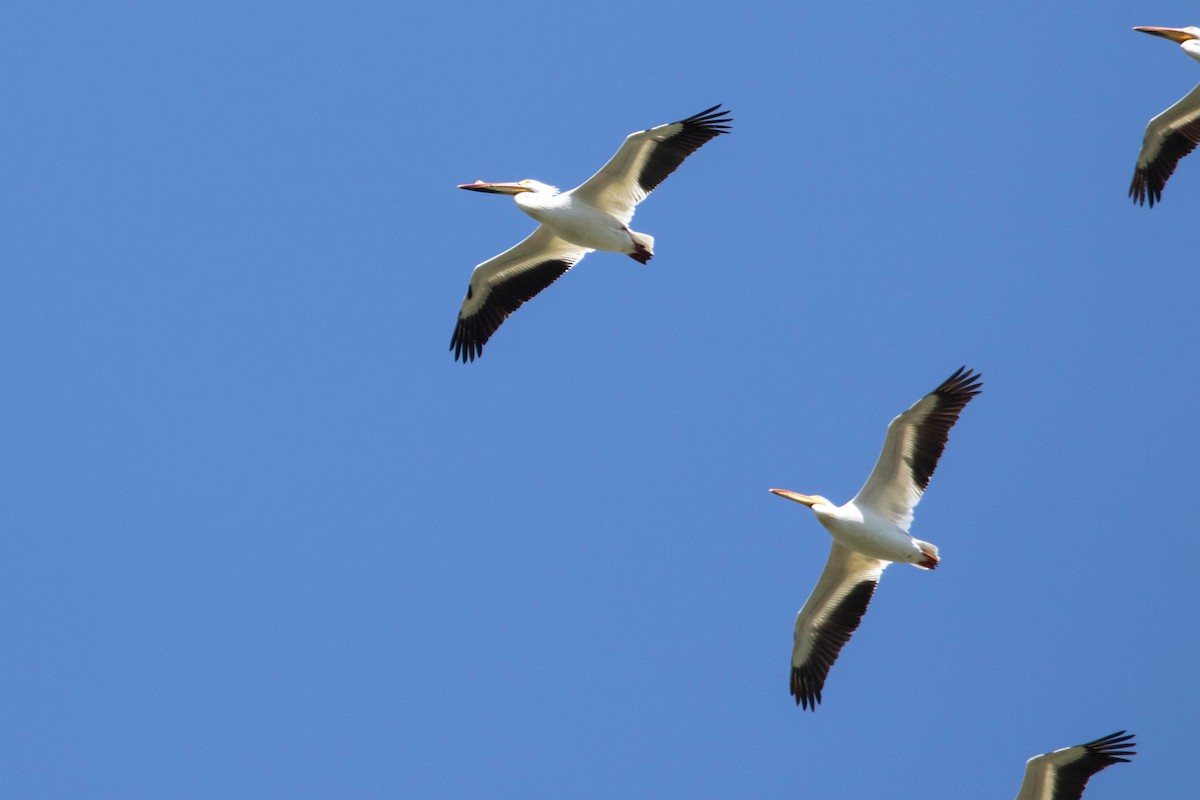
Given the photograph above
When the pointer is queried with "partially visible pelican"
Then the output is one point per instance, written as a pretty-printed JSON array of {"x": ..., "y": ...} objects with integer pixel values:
[
  {"x": 1172, "y": 134},
  {"x": 593, "y": 216},
  {"x": 1063, "y": 774},
  {"x": 871, "y": 531}
]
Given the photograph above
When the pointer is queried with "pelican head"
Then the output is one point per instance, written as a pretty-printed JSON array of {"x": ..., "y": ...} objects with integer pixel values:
[
  {"x": 809, "y": 500},
  {"x": 517, "y": 187},
  {"x": 1179, "y": 35}
]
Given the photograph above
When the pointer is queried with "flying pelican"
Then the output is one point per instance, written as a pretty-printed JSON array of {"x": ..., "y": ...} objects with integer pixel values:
[
  {"x": 1172, "y": 134},
  {"x": 1063, "y": 774},
  {"x": 593, "y": 216},
  {"x": 871, "y": 531}
]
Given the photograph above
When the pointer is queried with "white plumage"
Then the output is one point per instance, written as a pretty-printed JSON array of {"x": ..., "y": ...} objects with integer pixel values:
[
  {"x": 593, "y": 216},
  {"x": 871, "y": 531}
]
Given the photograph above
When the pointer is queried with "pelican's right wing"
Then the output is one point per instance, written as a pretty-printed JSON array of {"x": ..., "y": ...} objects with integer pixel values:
[
  {"x": 1062, "y": 774},
  {"x": 500, "y": 285},
  {"x": 831, "y": 613}
]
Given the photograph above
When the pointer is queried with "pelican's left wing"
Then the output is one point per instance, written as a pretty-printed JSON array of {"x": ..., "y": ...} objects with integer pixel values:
[
  {"x": 500, "y": 285},
  {"x": 1063, "y": 774},
  {"x": 915, "y": 441},
  {"x": 646, "y": 159},
  {"x": 830, "y": 614},
  {"x": 1169, "y": 137}
]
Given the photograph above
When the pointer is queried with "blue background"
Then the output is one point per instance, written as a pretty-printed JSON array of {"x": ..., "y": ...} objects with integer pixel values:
[{"x": 264, "y": 538}]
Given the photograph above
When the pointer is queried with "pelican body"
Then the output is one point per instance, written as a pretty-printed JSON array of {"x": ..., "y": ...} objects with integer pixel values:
[
  {"x": 1172, "y": 134},
  {"x": 871, "y": 531},
  {"x": 859, "y": 528},
  {"x": 574, "y": 217},
  {"x": 593, "y": 216}
]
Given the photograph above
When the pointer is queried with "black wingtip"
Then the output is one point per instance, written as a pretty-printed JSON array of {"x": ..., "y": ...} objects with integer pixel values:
[
  {"x": 1137, "y": 189},
  {"x": 691, "y": 135},
  {"x": 1112, "y": 747},
  {"x": 714, "y": 121},
  {"x": 964, "y": 383},
  {"x": 805, "y": 690},
  {"x": 466, "y": 342},
  {"x": 1145, "y": 189}
]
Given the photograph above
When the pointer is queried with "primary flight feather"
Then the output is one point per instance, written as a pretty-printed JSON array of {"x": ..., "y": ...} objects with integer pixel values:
[{"x": 1063, "y": 774}]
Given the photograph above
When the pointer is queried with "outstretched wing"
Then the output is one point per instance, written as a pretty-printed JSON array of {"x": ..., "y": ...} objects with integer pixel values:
[
  {"x": 915, "y": 441},
  {"x": 1063, "y": 774},
  {"x": 831, "y": 613},
  {"x": 646, "y": 159},
  {"x": 1169, "y": 137},
  {"x": 500, "y": 285}
]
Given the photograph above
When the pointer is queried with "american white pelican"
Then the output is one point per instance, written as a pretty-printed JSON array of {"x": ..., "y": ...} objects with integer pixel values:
[
  {"x": 1063, "y": 774},
  {"x": 871, "y": 531},
  {"x": 593, "y": 216},
  {"x": 1172, "y": 134}
]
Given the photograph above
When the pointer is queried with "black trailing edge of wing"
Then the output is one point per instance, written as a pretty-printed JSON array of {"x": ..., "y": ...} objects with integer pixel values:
[
  {"x": 472, "y": 332},
  {"x": 832, "y": 634},
  {"x": 670, "y": 152},
  {"x": 1101, "y": 753},
  {"x": 1149, "y": 181},
  {"x": 952, "y": 397}
]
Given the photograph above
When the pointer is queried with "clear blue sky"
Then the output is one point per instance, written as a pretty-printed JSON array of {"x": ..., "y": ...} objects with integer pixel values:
[{"x": 263, "y": 538}]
